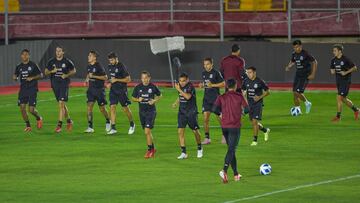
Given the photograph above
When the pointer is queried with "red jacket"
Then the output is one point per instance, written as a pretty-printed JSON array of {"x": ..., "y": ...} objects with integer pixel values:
[
  {"x": 233, "y": 67},
  {"x": 231, "y": 105}
]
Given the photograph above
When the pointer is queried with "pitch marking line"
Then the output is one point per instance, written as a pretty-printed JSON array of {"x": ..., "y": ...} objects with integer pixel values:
[{"x": 294, "y": 188}]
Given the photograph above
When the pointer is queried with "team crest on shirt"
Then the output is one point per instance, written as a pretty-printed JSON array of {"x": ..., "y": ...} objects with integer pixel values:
[
  {"x": 256, "y": 85},
  {"x": 140, "y": 91},
  {"x": 150, "y": 91},
  {"x": 63, "y": 65},
  {"x": 211, "y": 76},
  {"x": 301, "y": 58},
  {"x": 116, "y": 70},
  {"x": 29, "y": 68},
  {"x": 342, "y": 63},
  {"x": 94, "y": 70}
]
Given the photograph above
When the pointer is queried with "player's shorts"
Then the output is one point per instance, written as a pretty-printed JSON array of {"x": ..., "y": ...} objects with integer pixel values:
[
  {"x": 119, "y": 97},
  {"x": 255, "y": 111},
  {"x": 343, "y": 88},
  {"x": 147, "y": 119},
  {"x": 190, "y": 119},
  {"x": 208, "y": 106},
  {"x": 61, "y": 93},
  {"x": 96, "y": 94},
  {"x": 27, "y": 97},
  {"x": 300, "y": 84}
]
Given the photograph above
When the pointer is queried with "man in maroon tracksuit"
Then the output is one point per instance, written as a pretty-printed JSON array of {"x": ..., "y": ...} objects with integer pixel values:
[
  {"x": 233, "y": 66},
  {"x": 231, "y": 105}
]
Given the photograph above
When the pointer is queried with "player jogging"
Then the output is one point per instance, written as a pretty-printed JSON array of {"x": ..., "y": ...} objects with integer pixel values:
[
  {"x": 147, "y": 94},
  {"x": 342, "y": 67},
  {"x": 28, "y": 73}
]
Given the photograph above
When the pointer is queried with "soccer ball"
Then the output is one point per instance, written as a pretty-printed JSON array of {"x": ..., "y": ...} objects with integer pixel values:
[
  {"x": 265, "y": 169},
  {"x": 295, "y": 111}
]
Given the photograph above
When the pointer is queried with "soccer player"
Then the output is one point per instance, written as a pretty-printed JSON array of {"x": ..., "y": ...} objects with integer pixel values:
[
  {"x": 28, "y": 73},
  {"x": 60, "y": 70},
  {"x": 233, "y": 66},
  {"x": 306, "y": 66},
  {"x": 342, "y": 67},
  {"x": 231, "y": 105},
  {"x": 119, "y": 78},
  {"x": 96, "y": 92},
  {"x": 212, "y": 82},
  {"x": 188, "y": 114},
  {"x": 147, "y": 94},
  {"x": 255, "y": 90}
]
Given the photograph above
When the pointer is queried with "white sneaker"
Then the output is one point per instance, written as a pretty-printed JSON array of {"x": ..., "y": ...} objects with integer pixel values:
[
  {"x": 253, "y": 143},
  {"x": 183, "y": 156},
  {"x": 111, "y": 132},
  {"x": 266, "y": 134},
  {"x": 308, "y": 107},
  {"x": 131, "y": 130},
  {"x": 108, "y": 127},
  {"x": 200, "y": 153},
  {"x": 89, "y": 130}
]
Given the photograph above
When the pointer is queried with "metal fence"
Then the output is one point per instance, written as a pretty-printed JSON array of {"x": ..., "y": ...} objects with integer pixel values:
[{"x": 331, "y": 8}]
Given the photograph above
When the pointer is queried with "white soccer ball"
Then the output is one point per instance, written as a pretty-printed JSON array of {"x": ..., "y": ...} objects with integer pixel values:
[
  {"x": 265, "y": 169},
  {"x": 295, "y": 111}
]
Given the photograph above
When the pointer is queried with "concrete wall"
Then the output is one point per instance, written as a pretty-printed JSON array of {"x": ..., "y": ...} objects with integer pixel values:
[{"x": 269, "y": 58}]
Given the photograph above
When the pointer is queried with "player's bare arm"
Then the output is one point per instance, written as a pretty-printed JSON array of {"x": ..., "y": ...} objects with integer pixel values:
[
  {"x": 289, "y": 66},
  {"x": 313, "y": 70}
]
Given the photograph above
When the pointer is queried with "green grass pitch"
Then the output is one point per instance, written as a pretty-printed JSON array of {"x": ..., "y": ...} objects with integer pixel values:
[{"x": 42, "y": 166}]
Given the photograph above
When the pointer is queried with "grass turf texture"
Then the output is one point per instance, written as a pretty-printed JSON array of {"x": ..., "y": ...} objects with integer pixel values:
[{"x": 42, "y": 166}]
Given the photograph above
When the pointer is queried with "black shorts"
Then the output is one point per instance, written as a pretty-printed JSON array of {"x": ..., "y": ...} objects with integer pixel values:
[
  {"x": 208, "y": 106},
  {"x": 147, "y": 119},
  {"x": 190, "y": 119},
  {"x": 96, "y": 94},
  {"x": 27, "y": 97},
  {"x": 61, "y": 93},
  {"x": 119, "y": 97},
  {"x": 300, "y": 84},
  {"x": 255, "y": 111},
  {"x": 343, "y": 88}
]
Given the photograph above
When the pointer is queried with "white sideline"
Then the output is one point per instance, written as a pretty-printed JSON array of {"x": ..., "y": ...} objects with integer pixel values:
[
  {"x": 41, "y": 100},
  {"x": 295, "y": 188}
]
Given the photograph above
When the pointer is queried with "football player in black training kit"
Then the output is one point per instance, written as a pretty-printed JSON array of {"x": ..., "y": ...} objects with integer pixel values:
[
  {"x": 188, "y": 114},
  {"x": 28, "y": 73},
  {"x": 255, "y": 89},
  {"x": 306, "y": 66},
  {"x": 342, "y": 67},
  {"x": 119, "y": 78},
  {"x": 147, "y": 94},
  {"x": 60, "y": 70},
  {"x": 212, "y": 82},
  {"x": 96, "y": 78}
]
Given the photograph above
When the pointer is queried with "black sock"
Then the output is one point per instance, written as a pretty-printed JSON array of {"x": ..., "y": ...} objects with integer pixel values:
[
  {"x": 90, "y": 124},
  {"x": 207, "y": 135},
  {"x": 69, "y": 120},
  {"x": 338, "y": 114},
  {"x": 255, "y": 138},
  {"x": 152, "y": 146},
  {"x": 226, "y": 166},
  {"x": 262, "y": 128},
  {"x": 37, "y": 117},
  {"x": 149, "y": 147},
  {"x": 183, "y": 150},
  {"x": 354, "y": 108},
  {"x": 113, "y": 126},
  {"x": 199, "y": 146},
  {"x": 27, "y": 123},
  {"x": 107, "y": 120},
  {"x": 132, "y": 123},
  {"x": 59, "y": 124}
]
